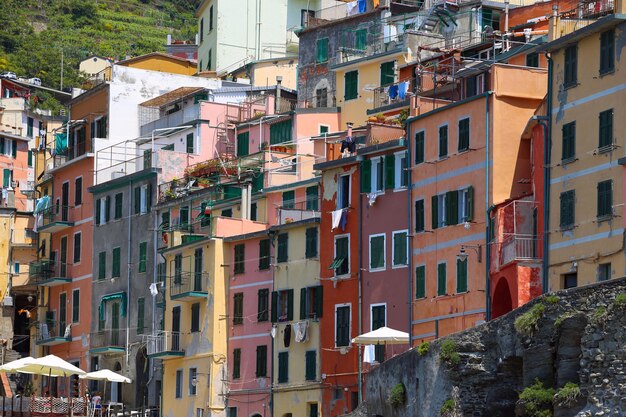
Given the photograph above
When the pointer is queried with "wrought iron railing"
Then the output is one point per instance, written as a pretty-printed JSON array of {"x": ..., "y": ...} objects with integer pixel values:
[
  {"x": 108, "y": 338},
  {"x": 163, "y": 341}
]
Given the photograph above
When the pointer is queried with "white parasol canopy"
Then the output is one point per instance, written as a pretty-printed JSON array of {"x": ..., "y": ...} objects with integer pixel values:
[
  {"x": 106, "y": 375},
  {"x": 16, "y": 364},
  {"x": 50, "y": 365},
  {"x": 382, "y": 336}
]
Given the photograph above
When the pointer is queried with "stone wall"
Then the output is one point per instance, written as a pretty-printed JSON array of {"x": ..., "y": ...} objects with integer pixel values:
[{"x": 580, "y": 338}]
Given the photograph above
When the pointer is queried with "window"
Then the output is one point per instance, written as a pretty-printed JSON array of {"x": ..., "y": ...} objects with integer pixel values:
[
  {"x": 419, "y": 147},
  {"x": 438, "y": 210},
  {"x": 322, "y": 50},
  {"x": 419, "y": 216},
  {"x": 570, "y": 280},
  {"x": 465, "y": 204},
  {"x": 195, "y": 317},
  {"x": 532, "y": 59},
  {"x": 210, "y": 18},
  {"x": 570, "y": 77},
  {"x": 264, "y": 254},
  {"x": 240, "y": 251},
  {"x": 236, "y": 363},
  {"x": 360, "y": 41},
  {"x": 312, "y": 198},
  {"x": 441, "y": 279},
  {"x": 178, "y": 269},
  {"x": 179, "y": 383},
  {"x": 377, "y": 252},
  {"x": 282, "y": 306},
  {"x": 202, "y": 30},
  {"x": 8, "y": 147},
  {"x": 183, "y": 216},
  {"x": 443, "y": 141},
  {"x": 464, "y": 134},
  {"x": 253, "y": 211},
  {"x": 321, "y": 100},
  {"x": 341, "y": 263},
  {"x": 280, "y": 132},
  {"x": 78, "y": 191},
  {"x": 311, "y": 302},
  {"x": 420, "y": 282},
  {"x": 289, "y": 199},
  {"x": 283, "y": 367},
  {"x": 283, "y": 245},
  {"x": 263, "y": 305},
  {"x": 351, "y": 85},
  {"x": 342, "y": 325},
  {"x": 102, "y": 265},
  {"x": 232, "y": 411},
  {"x": 243, "y": 144},
  {"x": 607, "y": 51},
  {"x": 261, "y": 361},
  {"x": 311, "y": 243},
  {"x": 115, "y": 269},
  {"x": 606, "y": 129},
  {"x": 604, "y": 272},
  {"x": 141, "y": 307},
  {"x": 227, "y": 212},
  {"x": 75, "y": 306},
  {"x": 569, "y": 141},
  {"x": 343, "y": 192},
  {"x": 310, "y": 373},
  {"x": 190, "y": 147},
  {"x": 401, "y": 177},
  {"x": 119, "y": 201},
  {"x": 30, "y": 158},
  {"x": 238, "y": 308},
  {"x": 7, "y": 175},
  {"x": 77, "y": 244},
  {"x": 605, "y": 199},
  {"x": 461, "y": 276},
  {"x": 313, "y": 410},
  {"x": 143, "y": 250},
  {"x": 103, "y": 210},
  {"x": 378, "y": 175},
  {"x": 193, "y": 381},
  {"x": 209, "y": 60},
  {"x": 387, "y": 73},
  {"x": 378, "y": 317},
  {"x": 305, "y": 16},
  {"x": 400, "y": 250},
  {"x": 99, "y": 128}
]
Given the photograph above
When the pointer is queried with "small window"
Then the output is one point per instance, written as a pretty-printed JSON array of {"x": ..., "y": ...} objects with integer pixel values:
[
  {"x": 283, "y": 246},
  {"x": 441, "y": 279},
  {"x": 289, "y": 199},
  {"x": 75, "y": 306},
  {"x": 102, "y": 262},
  {"x": 606, "y": 129},
  {"x": 569, "y": 141},
  {"x": 310, "y": 366},
  {"x": 377, "y": 252},
  {"x": 419, "y": 216},
  {"x": 461, "y": 276},
  {"x": 420, "y": 282},
  {"x": 419, "y": 147},
  {"x": 263, "y": 306},
  {"x": 443, "y": 141},
  {"x": 322, "y": 50},
  {"x": 240, "y": 251},
  {"x": 264, "y": 254},
  {"x": 283, "y": 367},
  {"x": 360, "y": 41},
  {"x": 312, "y": 198},
  {"x": 236, "y": 364},
  {"x": 78, "y": 191},
  {"x": 342, "y": 326},
  {"x": 193, "y": 380},
  {"x": 570, "y": 280},
  {"x": 119, "y": 201},
  {"x": 311, "y": 302},
  {"x": 532, "y": 60},
  {"x": 605, "y": 199},
  {"x": 282, "y": 306},
  {"x": 604, "y": 272},
  {"x": 607, "y": 51},
  {"x": 179, "y": 383},
  {"x": 343, "y": 192},
  {"x": 464, "y": 134},
  {"x": 567, "y": 209},
  {"x": 351, "y": 85},
  {"x": 465, "y": 204},
  {"x": 227, "y": 212},
  {"x": 401, "y": 177},
  {"x": 77, "y": 247},
  {"x": 387, "y": 73},
  {"x": 243, "y": 144},
  {"x": 378, "y": 175},
  {"x": 311, "y": 243},
  {"x": 400, "y": 249},
  {"x": 238, "y": 308},
  {"x": 261, "y": 361},
  {"x": 195, "y": 317},
  {"x": 143, "y": 251},
  {"x": 570, "y": 76},
  {"x": 341, "y": 262},
  {"x": 190, "y": 145},
  {"x": 321, "y": 100}
]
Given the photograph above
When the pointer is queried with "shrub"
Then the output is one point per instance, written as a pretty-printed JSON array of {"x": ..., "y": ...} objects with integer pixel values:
[
  {"x": 599, "y": 313},
  {"x": 447, "y": 407},
  {"x": 551, "y": 299},
  {"x": 567, "y": 395},
  {"x": 423, "y": 348},
  {"x": 620, "y": 300},
  {"x": 537, "y": 400},
  {"x": 397, "y": 396},
  {"x": 526, "y": 323},
  {"x": 562, "y": 318},
  {"x": 449, "y": 352}
]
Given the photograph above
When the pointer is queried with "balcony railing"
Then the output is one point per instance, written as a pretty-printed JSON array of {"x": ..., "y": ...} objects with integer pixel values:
[
  {"x": 164, "y": 343},
  {"x": 301, "y": 210},
  {"x": 73, "y": 151},
  {"x": 179, "y": 118},
  {"x": 187, "y": 285},
  {"x": 109, "y": 340},
  {"x": 51, "y": 333},
  {"x": 519, "y": 248},
  {"x": 285, "y": 105},
  {"x": 395, "y": 93},
  {"x": 57, "y": 217},
  {"x": 48, "y": 273},
  {"x": 595, "y": 9}
]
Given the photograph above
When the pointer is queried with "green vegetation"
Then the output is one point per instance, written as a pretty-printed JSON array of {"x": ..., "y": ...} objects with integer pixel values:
[
  {"x": 447, "y": 407},
  {"x": 526, "y": 324},
  {"x": 562, "y": 318},
  {"x": 35, "y": 33},
  {"x": 551, "y": 299},
  {"x": 397, "y": 396},
  {"x": 537, "y": 400},
  {"x": 567, "y": 395},
  {"x": 620, "y": 300},
  {"x": 423, "y": 348},
  {"x": 599, "y": 314},
  {"x": 449, "y": 352}
]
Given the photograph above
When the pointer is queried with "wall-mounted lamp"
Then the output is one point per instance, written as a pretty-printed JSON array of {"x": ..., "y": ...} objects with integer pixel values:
[{"x": 462, "y": 255}]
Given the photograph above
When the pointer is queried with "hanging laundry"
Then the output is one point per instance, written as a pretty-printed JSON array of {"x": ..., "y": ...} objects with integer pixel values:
[
  {"x": 348, "y": 143},
  {"x": 153, "y": 290},
  {"x": 287, "y": 335},
  {"x": 393, "y": 92},
  {"x": 273, "y": 332},
  {"x": 343, "y": 220},
  {"x": 362, "y": 6},
  {"x": 403, "y": 87},
  {"x": 300, "y": 330},
  {"x": 369, "y": 354},
  {"x": 336, "y": 218},
  {"x": 60, "y": 143},
  {"x": 352, "y": 8},
  {"x": 376, "y": 3}
]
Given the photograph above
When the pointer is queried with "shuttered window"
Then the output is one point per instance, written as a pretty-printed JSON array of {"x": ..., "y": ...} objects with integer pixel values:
[
  {"x": 311, "y": 242},
  {"x": 75, "y": 306},
  {"x": 280, "y": 132},
  {"x": 78, "y": 191},
  {"x": 116, "y": 268},
  {"x": 143, "y": 250},
  {"x": 283, "y": 244},
  {"x": 342, "y": 326},
  {"x": 77, "y": 247},
  {"x": 377, "y": 252},
  {"x": 607, "y": 51},
  {"x": 261, "y": 361},
  {"x": 190, "y": 145},
  {"x": 570, "y": 76},
  {"x": 238, "y": 308},
  {"x": 351, "y": 85},
  {"x": 569, "y": 141},
  {"x": 310, "y": 373},
  {"x": 312, "y": 198},
  {"x": 243, "y": 144},
  {"x": 264, "y": 254},
  {"x": 240, "y": 251},
  {"x": 282, "y": 305},
  {"x": 461, "y": 275},
  {"x": 360, "y": 41},
  {"x": 283, "y": 367},
  {"x": 567, "y": 209},
  {"x": 464, "y": 134},
  {"x": 341, "y": 263},
  {"x": 289, "y": 199},
  {"x": 441, "y": 279},
  {"x": 366, "y": 176},
  {"x": 102, "y": 265},
  {"x": 452, "y": 208},
  {"x": 311, "y": 302},
  {"x": 443, "y": 141},
  {"x": 419, "y": 216},
  {"x": 419, "y": 147},
  {"x": 236, "y": 363},
  {"x": 195, "y": 317},
  {"x": 119, "y": 201},
  {"x": 387, "y": 73},
  {"x": 420, "y": 282},
  {"x": 390, "y": 171},
  {"x": 400, "y": 249},
  {"x": 263, "y": 305},
  {"x": 606, "y": 129},
  {"x": 322, "y": 50},
  {"x": 605, "y": 198}
]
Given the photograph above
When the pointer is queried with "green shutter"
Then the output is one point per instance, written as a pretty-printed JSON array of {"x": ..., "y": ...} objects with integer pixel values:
[
  {"x": 441, "y": 279},
  {"x": 107, "y": 209},
  {"x": 360, "y": 39},
  {"x": 236, "y": 363},
  {"x": 137, "y": 200},
  {"x": 366, "y": 176},
  {"x": 419, "y": 147},
  {"x": 274, "y": 306},
  {"x": 14, "y": 149},
  {"x": 311, "y": 366},
  {"x": 118, "y": 205},
  {"x": 2, "y": 146},
  {"x": 377, "y": 252},
  {"x": 283, "y": 242},
  {"x": 289, "y": 305},
  {"x": 319, "y": 301},
  {"x": 303, "y": 314},
  {"x": 312, "y": 197},
  {"x": 243, "y": 144},
  {"x": 98, "y": 211},
  {"x": 470, "y": 203},
  {"x": 452, "y": 207},
  {"x": 190, "y": 147},
  {"x": 434, "y": 210},
  {"x": 443, "y": 141},
  {"x": 390, "y": 171},
  {"x": 30, "y": 158},
  {"x": 116, "y": 263},
  {"x": 606, "y": 128},
  {"x": 400, "y": 249},
  {"x": 419, "y": 216},
  {"x": 283, "y": 367},
  {"x": 351, "y": 85},
  {"x": 102, "y": 268},
  {"x": 143, "y": 249},
  {"x": 264, "y": 254},
  {"x": 289, "y": 199},
  {"x": 420, "y": 282},
  {"x": 311, "y": 243},
  {"x": 461, "y": 276},
  {"x": 322, "y": 50},
  {"x": 387, "y": 75}
]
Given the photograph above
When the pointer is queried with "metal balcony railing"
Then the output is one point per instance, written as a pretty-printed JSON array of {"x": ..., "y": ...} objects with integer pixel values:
[
  {"x": 179, "y": 118},
  {"x": 115, "y": 338},
  {"x": 519, "y": 248},
  {"x": 163, "y": 341},
  {"x": 61, "y": 214},
  {"x": 301, "y": 210},
  {"x": 53, "y": 331},
  {"x": 395, "y": 93},
  {"x": 44, "y": 270},
  {"x": 285, "y": 105},
  {"x": 186, "y": 282}
]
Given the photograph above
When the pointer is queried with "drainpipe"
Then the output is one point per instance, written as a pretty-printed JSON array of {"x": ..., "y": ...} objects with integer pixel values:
[
  {"x": 129, "y": 271},
  {"x": 279, "y": 80},
  {"x": 359, "y": 283},
  {"x": 409, "y": 229},
  {"x": 271, "y": 236},
  {"x": 488, "y": 209},
  {"x": 547, "y": 152}
]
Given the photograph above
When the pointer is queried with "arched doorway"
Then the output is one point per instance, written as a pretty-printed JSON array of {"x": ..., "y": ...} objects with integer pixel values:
[{"x": 501, "y": 303}]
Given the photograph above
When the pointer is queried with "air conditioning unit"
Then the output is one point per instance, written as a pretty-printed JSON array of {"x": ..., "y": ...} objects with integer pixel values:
[{"x": 7, "y": 301}]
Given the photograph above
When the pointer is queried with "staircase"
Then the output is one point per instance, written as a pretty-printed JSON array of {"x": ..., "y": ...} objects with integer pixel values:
[
  {"x": 8, "y": 386},
  {"x": 438, "y": 13}
]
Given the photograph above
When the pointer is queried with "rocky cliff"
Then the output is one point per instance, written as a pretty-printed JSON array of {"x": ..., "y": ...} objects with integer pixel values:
[{"x": 571, "y": 343}]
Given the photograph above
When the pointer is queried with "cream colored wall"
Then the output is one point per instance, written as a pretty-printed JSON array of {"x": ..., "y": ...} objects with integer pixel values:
[
  {"x": 5, "y": 232},
  {"x": 265, "y": 73},
  {"x": 589, "y": 243},
  {"x": 93, "y": 65}
]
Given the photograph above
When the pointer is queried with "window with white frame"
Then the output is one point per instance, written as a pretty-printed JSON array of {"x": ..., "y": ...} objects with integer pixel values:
[
  {"x": 377, "y": 252},
  {"x": 343, "y": 192},
  {"x": 400, "y": 249},
  {"x": 378, "y": 175},
  {"x": 401, "y": 173},
  {"x": 179, "y": 383},
  {"x": 341, "y": 262},
  {"x": 193, "y": 381},
  {"x": 143, "y": 202},
  {"x": 441, "y": 210},
  {"x": 465, "y": 204},
  {"x": 342, "y": 325}
]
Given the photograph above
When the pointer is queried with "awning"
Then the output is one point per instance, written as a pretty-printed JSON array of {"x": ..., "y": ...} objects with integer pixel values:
[
  {"x": 336, "y": 263},
  {"x": 121, "y": 296}
]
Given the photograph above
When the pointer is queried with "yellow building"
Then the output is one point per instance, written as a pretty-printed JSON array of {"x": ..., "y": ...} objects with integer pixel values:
[
  {"x": 264, "y": 72},
  {"x": 587, "y": 95},
  {"x": 158, "y": 61}
]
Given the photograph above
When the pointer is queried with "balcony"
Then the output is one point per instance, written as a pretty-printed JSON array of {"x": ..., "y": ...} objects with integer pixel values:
[
  {"x": 164, "y": 345},
  {"x": 302, "y": 210},
  {"x": 110, "y": 341},
  {"x": 376, "y": 44},
  {"x": 519, "y": 248},
  {"x": 57, "y": 218},
  {"x": 515, "y": 240},
  {"x": 48, "y": 273},
  {"x": 51, "y": 333},
  {"x": 391, "y": 96},
  {"x": 76, "y": 149},
  {"x": 188, "y": 286},
  {"x": 175, "y": 119}
]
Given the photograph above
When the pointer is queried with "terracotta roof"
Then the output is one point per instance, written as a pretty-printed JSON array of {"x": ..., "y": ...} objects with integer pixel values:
[
  {"x": 155, "y": 54},
  {"x": 171, "y": 96}
]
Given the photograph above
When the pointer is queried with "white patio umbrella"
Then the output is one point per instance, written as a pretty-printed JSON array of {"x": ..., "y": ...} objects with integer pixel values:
[
  {"x": 106, "y": 375},
  {"x": 50, "y": 365},
  {"x": 382, "y": 336},
  {"x": 16, "y": 364}
]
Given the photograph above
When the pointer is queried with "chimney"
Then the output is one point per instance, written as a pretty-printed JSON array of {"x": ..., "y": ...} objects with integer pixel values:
[
  {"x": 279, "y": 80},
  {"x": 349, "y": 124},
  {"x": 553, "y": 28},
  {"x": 414, "y": 105}
]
